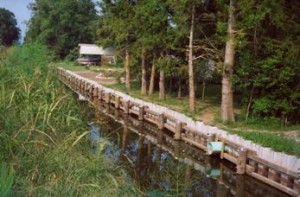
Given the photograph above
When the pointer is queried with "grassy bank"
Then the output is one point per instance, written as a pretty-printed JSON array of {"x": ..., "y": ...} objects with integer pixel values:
[
  {"x": 267, "y": 132},
  {"x": 41, "y": 129}
]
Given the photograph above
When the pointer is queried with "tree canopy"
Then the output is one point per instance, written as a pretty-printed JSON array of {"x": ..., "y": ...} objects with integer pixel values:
[
  {"x": 9, "y": 32},
  {"x": 62, "y": 24},
  {"x": 184, "y": 39}
]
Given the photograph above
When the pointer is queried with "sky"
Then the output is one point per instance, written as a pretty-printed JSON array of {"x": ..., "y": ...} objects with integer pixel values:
[{"x": 19, "y": 8}]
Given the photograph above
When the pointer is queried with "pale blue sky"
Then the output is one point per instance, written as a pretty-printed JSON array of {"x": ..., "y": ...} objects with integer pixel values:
[{"x": 19, "y": 8}]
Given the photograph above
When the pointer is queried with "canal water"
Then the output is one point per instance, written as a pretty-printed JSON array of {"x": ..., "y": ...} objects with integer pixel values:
[{"x": 161, "y": 166}]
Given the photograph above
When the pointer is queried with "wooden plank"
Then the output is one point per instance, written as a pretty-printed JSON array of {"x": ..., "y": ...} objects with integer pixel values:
[
  {"x": 150, "y": 120},
  {"x": 226, "y": 141},
  {"x": 230, "y": 158},
  {"x": 170, "y": 117},
  {"x": 273, "y": 166},
  {"x": 169, "y": 127},
  {"x": 132, "y": 111},
  {"x": 151, "y": 112},
  {"x": 186, "y": 128},
  {"x": 273, "y": 184},
  {"x": 194, "y": 143}
]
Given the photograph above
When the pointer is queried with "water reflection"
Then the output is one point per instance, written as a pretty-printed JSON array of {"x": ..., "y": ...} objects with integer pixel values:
[{"x": 162, "y": 166}]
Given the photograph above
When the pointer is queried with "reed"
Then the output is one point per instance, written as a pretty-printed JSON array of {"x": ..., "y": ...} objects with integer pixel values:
[{"x": 41, "y": 133}]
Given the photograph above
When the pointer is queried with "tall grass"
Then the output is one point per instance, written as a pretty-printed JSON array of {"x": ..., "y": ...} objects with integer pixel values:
[
  {"x": 6, "y": 179},
  {"x": 40, "y": 121}
]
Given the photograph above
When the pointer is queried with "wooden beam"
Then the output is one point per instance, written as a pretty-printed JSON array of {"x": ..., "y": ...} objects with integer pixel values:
[{"x": 241, "y": 161}]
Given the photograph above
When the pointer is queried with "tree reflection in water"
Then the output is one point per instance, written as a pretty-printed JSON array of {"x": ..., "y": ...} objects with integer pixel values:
[{"x": 162, "y": 166}]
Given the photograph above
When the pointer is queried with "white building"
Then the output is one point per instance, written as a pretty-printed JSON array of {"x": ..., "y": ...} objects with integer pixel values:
[{"x": 94, "y": 54}]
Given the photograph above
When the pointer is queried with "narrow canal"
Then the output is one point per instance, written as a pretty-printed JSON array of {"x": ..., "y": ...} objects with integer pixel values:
[{"x": 162, "y": 166}]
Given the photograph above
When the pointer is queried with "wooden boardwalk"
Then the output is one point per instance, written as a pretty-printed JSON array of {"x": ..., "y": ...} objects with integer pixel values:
[{"x": 276, "y": 169}]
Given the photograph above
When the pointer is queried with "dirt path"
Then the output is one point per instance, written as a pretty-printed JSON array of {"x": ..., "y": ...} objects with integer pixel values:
[{"x": 98, "y": 77}]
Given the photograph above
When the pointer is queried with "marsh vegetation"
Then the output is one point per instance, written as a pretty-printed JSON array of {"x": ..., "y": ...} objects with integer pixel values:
[{"x": 42, "y": 133}]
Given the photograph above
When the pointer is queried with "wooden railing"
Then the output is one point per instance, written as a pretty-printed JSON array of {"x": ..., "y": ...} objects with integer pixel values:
[{"x": 246, "y": 161}]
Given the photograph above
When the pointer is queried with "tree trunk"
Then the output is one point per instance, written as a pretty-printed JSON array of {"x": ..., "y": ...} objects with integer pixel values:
[
  {"x": 190, "y": 66},
  {"x": 179, "y": 89},
  {"x": 127, "y": 69},
  {"x": 250, "y": 101},
  {"x": 227, "y": 113},
  {"x": 162, "y": 84},
  {"x": 151, "y": 86},
  {"x": 203, "y": 90},
  {"x": 144, "y": 82}
]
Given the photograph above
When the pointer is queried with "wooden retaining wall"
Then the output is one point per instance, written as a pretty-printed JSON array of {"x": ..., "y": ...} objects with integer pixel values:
[
  {"x": 239, "y": 185},
  {"x": 276, "y": 169}
]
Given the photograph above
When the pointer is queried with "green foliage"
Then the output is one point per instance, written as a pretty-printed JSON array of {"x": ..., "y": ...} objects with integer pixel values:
[
  {"x": 73, "y": 54},
  {"x": 6, "y": 179},
  {"x": 62, "y": 24},
  {"x": 41, "y": 125},
  {"x": 263, "y": 105},
  {"x": 116, "y": 26},
  {"x": 268, "y": 62},
  {"x": 277, "y": 142},
  {"x": 9, "y": 32},
  {"x": 151, "y": 24}
]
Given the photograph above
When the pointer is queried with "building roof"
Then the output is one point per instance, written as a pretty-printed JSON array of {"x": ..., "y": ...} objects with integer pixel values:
[{"x": 93, "y": 49}]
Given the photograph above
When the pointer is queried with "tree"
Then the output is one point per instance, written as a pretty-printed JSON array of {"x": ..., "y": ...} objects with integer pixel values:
[
  {"x": 190, "y": 63},
  {"x": 62, "y": 24},
  {"x": 188, "y": 21},
  {"x": 117, "y": 28},
  {"x": 268, "y": 71},
  {"x": 150, "y": 24},
  {"x": 184, "y": 20},
  {"x": 227, "y": 113},
  {"x": 9, "y": 32}
]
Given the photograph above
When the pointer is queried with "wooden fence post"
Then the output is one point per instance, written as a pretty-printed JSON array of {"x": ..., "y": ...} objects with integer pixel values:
[
  {"x": 85, "y": 89},
  {"x": 107, "y": 97},
  {"x": 100, "y": 94},
  {"x": 161, "y": 121},
  {"x": 126, "y": 107},
  {"x": 223, "y": 148},
  {"x": 106, "y": 107},
  {"x": 297, "y": 182},
  {"x": 91, "y": 90},
  {"x": 117, "y": 102},
  {"x": 141, "y": 113},
  {"x": 81, "y": 87},
  {"x": 241, "y": 161},
  {"x": 178, "y": 128},
  {"x": 95, "y": 93},
  {"x": 117, "y": 114}
]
